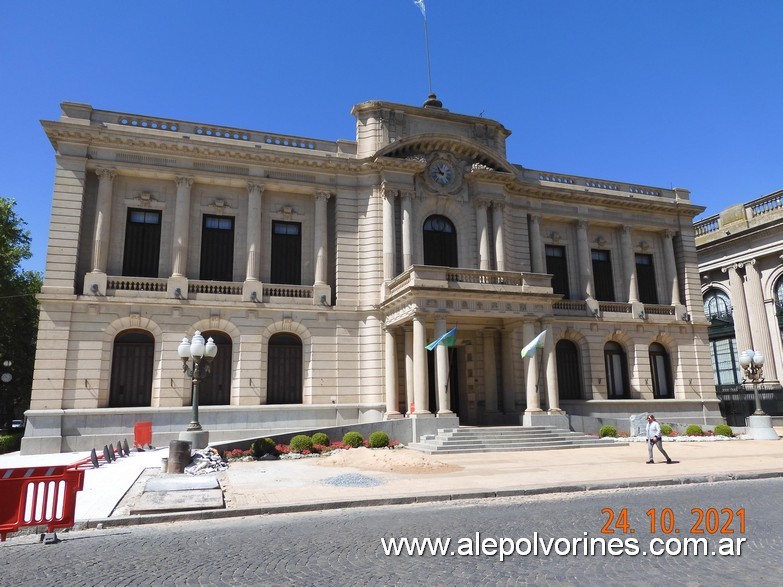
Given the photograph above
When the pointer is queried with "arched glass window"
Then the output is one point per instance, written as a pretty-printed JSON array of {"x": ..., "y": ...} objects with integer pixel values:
[
  {"x": 215, "y": 390},
  {"x": 617, "y": 386},
  {"x": 440, "y": 242},
  {"x": 569, "y": 372},
  {"x": 661, "y": 369},
  {"x": 723, "y": 345},
  {"x": 284, "y": 370},
  {"x": 778, "y": 293},
  {"x": 131, "y": 370},
  {"x": 717, "y": 304}
]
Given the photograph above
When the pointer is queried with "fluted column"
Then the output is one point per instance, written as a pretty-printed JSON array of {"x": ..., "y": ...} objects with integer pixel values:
[
  {"x": 497, "y": 223},
  {"x": 388, "y": 233},
  {"x": 757, "y": 314},
  {"x": 531, "y": 381},
  {"x": 254, "y": 195},
  {"x": 536, "y": 248},
  {"x": 409, "y": 377},
  {"x": 671, "y": 266},
  {"x": 392, "y": 393},
  {"x": 420, "y": 382},
  {"x": 739, "y": 308},
  {"x": 483, "y": 235},
  {"x": 442, "y": 368},
  {"x": 319, "y": 243},
  {"x": 407, "y": 219},
  {"x": 179, "y": 263},
  {"x": 629, "y": 262},
  {"x": 507, "y": 360},
  {"x": 585, "y": 261},
  {"x": 490, "y": 372},
  {"x": 100, "y": 247},
  {"x": 550, "y": 360}
]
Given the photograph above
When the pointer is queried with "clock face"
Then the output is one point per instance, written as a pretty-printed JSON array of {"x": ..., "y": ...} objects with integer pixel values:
[{"x": 441, "y": 172}]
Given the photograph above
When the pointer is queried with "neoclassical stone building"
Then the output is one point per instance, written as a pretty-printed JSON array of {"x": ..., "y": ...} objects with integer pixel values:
[
  {"x": 740, "y": 255},
  {"x": 322, "y": 269}
]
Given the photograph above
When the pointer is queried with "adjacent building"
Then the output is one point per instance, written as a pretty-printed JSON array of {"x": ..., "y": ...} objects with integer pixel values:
[{"x": 322, "y": 269}]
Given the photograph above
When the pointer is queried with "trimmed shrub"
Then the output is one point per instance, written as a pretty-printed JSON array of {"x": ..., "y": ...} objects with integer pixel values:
[
  {"x": 694, "y": 430},
  {"x": 666, "y": 429},
  {"x": 353, "y": 439},
  {"x": 301, "y": 443},
  {"x": 723, "y": 430},
  {"x": 607, "y": 430},
  {"x": 263, "y": 446},
  {"x": 10, "y": 443},
  {"x": 379, "y": 439},
  {"x": 320, "y": 438}
]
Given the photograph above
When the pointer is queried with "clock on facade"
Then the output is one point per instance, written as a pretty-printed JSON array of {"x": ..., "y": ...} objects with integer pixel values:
[{"x": 441, "y": 172}]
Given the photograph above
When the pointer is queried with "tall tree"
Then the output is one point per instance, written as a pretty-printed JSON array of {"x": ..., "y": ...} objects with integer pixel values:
[{"x": 18, "y": 314}]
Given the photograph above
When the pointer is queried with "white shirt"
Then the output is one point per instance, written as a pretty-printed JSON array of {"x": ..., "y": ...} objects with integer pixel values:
[{"x": 653, "y": 429}]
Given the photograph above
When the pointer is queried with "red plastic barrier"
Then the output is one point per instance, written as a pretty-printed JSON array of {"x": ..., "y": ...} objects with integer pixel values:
[
  {"x": 142, "y": 434},
  {"x": 35, "y": 496}
]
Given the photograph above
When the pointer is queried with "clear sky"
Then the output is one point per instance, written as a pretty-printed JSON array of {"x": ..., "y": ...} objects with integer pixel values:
[{"x": 665, "y": 93}]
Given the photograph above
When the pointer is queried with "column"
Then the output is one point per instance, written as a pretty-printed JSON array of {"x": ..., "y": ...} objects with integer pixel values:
[
  {"x": 671, "y": 266},
  {"x": 254, "y": 193},
  {"x": 100, "y": 246},
  {"x": 483, "y": 236},
  {"x": 319, "y": 241},
  {"x": 757, "y": 314},
  {"x": 407, "y": 219},
  {"x": 497, "y": 223},
  {"x": 629, "y": 262},
  {"x": 409, "y": 398},
  {"x": 390, "y": 355},
  {"x": 531, "y": 381},
  {"x": 420, "y": 390},
  {"x": 739, "y": 307},
  {"x": 553, "y": 398},
  {"x": 388, "y": 234},
  {"x": 181, "y": 227},
  {"x": 507, "y": 359},
  {"x": 585, "y": 261},
  {"x": 490, "y": 372},
  {"x": 536, "y": 249},
  {"x": 442, "y": 369}
]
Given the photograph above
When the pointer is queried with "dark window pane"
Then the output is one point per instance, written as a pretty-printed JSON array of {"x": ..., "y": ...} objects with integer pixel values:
[
  {"x": 645, "y": 279},
  {"x": 440, "y": 242},
  {"x": 661, "y": 372},
  {"x": 217, "y": 248},
  {"x": 142, "y": 243},
  {"x": 557, "y": 265},
  {"x": 602, "y": 275},
  {"x": 286, "y": 253},
  {"x": 617, "y": 386}
]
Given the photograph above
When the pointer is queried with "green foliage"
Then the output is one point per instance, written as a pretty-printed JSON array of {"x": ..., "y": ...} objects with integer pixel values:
[
  {"x": 353, "y": 439},
  {"x": 379, "y": 439},
  {"x": 320, "y": 438},
  {"x": 666, "y": 429},
  {"x": 19, "y": 310},
  {"x": 694, "y": 430},
  {"x": 10, "y": 443},
  {"x": 300, "y": 442},
  {"x": 607, "y": 430},
  {"x": 723, "y": 430},
  {"x": 263, "y": 446}
]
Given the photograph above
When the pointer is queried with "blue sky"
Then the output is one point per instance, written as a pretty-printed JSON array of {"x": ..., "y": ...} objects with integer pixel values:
[{"x": 665, "y": 93}]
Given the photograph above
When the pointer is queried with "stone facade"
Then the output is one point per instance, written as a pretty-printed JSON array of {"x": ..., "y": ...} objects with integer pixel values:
[{"x": 322, "y": 269}]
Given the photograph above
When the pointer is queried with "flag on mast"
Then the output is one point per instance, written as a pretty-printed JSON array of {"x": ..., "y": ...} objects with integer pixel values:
[
  {"x": 420, "y": 4},
  {"x": 446, "y": 339},
  {"x": 535, "y": 344}
]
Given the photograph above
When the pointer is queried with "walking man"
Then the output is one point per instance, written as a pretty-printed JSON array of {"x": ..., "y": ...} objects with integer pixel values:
[{"x": 654, "y": 439}]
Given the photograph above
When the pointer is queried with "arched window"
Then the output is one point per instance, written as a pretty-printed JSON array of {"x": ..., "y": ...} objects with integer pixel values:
[
  {"x": 440, "y": 242},
  {"x": 661, "y": 369},
  {"x": 131, "y": 370},
  {"x": 617, "y": 386},
  {"x": 215, "y": 389},
  {"x": 778, "y": 293},
  {"x": 717, "y": 304},
  {"x": 284, "y": 370},
  {"x": 723, "y": 345},
  {"x": 569, "y": 372}
]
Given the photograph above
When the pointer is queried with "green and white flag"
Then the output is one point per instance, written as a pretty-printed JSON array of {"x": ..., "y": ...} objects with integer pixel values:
[
  {"x": 535, "y": 344},
  {"x": 446, "y": 339}
]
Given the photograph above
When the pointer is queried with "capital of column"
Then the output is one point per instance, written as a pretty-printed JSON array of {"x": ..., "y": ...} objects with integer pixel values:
[
  {"x": 482, "y": 203},
  {"x": 535, "y": 218},
  {"x": 407, "y": 194},
  {"x": 322, "y": 196},
  {"x": 582, "y": 224},
  {"x": 183, "y": 182},
  {"x": 627, "y": 230},
  {"x": 669, "y": 233},
  {"x": 498, "y": 205},
  {"x": 255, "y": 187},
  {"x": 106, "y": 174},
  {"x": 388, "y": 192}
]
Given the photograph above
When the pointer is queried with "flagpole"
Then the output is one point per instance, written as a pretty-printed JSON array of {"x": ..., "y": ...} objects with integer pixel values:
[{"x": 427, "y": 45}]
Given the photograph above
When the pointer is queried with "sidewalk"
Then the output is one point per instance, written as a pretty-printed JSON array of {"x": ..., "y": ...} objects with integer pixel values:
[{"x": 263, "y": 487}]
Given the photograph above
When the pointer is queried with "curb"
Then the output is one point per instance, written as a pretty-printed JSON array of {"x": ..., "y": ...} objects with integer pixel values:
[{"x": 416, "y": 499}]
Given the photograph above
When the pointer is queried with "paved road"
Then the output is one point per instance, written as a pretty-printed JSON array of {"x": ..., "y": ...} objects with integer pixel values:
[{"x": 341, "y": 548}]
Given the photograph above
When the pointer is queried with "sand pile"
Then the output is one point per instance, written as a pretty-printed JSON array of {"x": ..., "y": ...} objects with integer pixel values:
[{"x": 398, "y": 460}]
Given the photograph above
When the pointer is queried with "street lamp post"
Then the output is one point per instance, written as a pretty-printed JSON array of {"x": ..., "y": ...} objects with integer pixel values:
[
  {"x": 759, "y": 424},
  {"x": 201, "y": 355},
  {"x": 6, "y": 378}
]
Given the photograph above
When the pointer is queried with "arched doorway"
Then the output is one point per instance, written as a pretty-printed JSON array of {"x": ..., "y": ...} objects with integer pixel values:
[
  {"x": 131, "y": 369},
  {"x": 284, "y": 370},
  {"x": 569, "y": 372},
  {"x": 617, "y": 385},
  {"x": 440, "y": 242},
  {"x": 215, "y": 390},
  {"x": 661, "y": 369}
]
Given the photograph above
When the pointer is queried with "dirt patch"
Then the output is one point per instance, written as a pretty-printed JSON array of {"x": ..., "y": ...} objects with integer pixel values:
[{"x": 399, "y": 460}]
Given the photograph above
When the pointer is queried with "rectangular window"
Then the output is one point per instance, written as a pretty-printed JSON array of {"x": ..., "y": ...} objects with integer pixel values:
[
  {"x": 286, "y": 253},
  {"x": 645, "y": 279},
  {"x": 602, "y": 275},
  {"x": 217, "y": 248},
  {"x": 557, "y": 265},
  {"x": 142, "y": 243},
  {"x": 724, "y": 365}
]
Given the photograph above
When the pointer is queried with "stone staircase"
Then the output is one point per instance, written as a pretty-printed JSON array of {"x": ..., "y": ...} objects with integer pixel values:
[{"x": 505, "y": 439}]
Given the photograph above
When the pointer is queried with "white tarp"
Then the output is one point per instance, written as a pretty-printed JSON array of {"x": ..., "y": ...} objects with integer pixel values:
[{"x": 638, "y": 424}]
